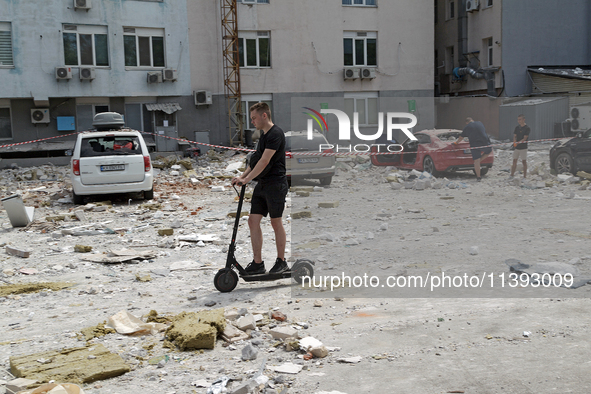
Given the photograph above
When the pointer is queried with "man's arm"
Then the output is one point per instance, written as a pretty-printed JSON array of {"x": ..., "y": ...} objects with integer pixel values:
[
  {"x": 459, "y": 140},
  {"x": 248, "y": 176}
]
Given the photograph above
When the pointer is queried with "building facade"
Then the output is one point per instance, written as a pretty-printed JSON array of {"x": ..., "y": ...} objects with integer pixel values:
[
  {"x": 484, "y": 48},
  {"x": 63, "y": 61},
  {"x": 159, "y": 63}
]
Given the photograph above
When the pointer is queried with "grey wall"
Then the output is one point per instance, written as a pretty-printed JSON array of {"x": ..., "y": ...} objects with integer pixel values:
[{"x": 543, "y": 32}]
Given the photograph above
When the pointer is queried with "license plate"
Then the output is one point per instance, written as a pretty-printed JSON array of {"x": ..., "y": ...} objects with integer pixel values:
[
  {"x": 467, "y": 151},
  {"x": 113, "y": 167},
  {"x": 308, "y": 160}
]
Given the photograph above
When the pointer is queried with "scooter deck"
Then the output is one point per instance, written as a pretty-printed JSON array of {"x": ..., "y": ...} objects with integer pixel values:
[{"x": 267, "y": 276}]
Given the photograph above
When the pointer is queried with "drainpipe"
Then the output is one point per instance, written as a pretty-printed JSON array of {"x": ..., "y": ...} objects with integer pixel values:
[
  {"x": 462, "y": 32},
  {"x": 487, "y": 75}
]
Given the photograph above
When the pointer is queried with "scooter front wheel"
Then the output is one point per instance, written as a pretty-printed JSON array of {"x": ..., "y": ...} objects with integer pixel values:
[
  {"x": 225, "y": 280},
  {"x": 301, "y": 269}
]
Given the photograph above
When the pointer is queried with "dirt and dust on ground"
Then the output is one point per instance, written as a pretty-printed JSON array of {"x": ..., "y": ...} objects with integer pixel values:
[{"x": 456, "y": 286}]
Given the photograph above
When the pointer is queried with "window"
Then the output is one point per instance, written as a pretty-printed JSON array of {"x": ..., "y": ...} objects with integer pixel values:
[
  {"x": 360, "y": 2},
  {"x": 366, "y": 106},
  {"x": 487, "y": 45},
  {"x": 489, "y": 3},
  {"x": 144, "y": 47},
  {"x": 5, "y": 124},
  {"x": 449, "y": 59},
  {"x": 6, "y": 45},
  {"x": 253, "y": 1},
  {"x": 254, "y": 49},
  {"x": 451, "y": 9},
  {"x": 360, "y": 48},
  {"x": 249, "y": 100},
  {"x": 85, "y": 45},
  {"x": 85, "y": 111}
]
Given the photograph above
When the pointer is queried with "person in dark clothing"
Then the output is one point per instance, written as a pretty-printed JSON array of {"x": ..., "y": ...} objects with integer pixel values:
[
  {"x": 520, "y": 136},
  {"x": 270, "y": 192},
  {"x": 479, "y": 143}
]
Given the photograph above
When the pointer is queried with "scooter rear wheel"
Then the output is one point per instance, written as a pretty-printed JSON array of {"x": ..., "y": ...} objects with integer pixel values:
[
  {"x": 301, "y": 269},
  {"x": 225, "y": 280}
]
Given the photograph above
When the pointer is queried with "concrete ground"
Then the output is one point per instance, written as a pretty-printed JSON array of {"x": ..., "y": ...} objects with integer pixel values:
[{"x": 461, "y": 340}]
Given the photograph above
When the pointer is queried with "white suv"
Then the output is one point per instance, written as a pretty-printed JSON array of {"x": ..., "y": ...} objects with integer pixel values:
[
  {"x": 109, "y": 162},
  {"x": 309, "y": 166}
]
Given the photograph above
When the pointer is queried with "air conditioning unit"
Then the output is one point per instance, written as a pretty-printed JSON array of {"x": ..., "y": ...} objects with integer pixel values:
[
  {"x": 169, "y": 74},
  {"x": 368, "y": 73},
  {"x": 155, "y": 77},
  {"x": 87, "y": 73},
  {"x": 351, "y": 73},
  {"x": 580, "y": 119},
  {"x": 40, "y": 115},
  {"x": 82, "y": 4},
  {"x": 203, "y": 97},
  {"x": 472, "y": 5},
  {"x": 63, "y": 73}
]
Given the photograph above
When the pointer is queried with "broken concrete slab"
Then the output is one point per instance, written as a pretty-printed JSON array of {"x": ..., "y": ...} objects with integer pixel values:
[
  {"x": 19, "y": 384},
  {"x": 54, "y": 388},
  {"x": 302, "y": 189},
  {"x": 331, "y": 204},
  {"x": 301, "y": 214},
  {"x": 79, "y": 365},
  {"x": 246, "y": 322},
  {"x": 283, "y": 332},
  {"x": 232, "y": 334},
  {"x": 165, "y": 231},
  {"x": 288, "y": 367},
  {"x": 17, "y": 252}
]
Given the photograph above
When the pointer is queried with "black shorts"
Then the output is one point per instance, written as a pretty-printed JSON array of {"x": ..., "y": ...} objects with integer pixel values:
[
  {"x": 269, "y": 199},
  {"x": 477, "y": 152}
]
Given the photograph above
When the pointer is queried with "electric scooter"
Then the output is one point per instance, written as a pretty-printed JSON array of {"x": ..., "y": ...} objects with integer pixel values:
[{"x": 226, "y": 278}]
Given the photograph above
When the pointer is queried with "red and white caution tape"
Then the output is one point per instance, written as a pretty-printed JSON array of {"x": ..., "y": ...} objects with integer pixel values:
[{"x": 288, "y": 154}]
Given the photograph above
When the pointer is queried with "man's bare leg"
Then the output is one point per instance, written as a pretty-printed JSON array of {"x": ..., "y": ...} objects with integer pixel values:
[
  {"x": 280, "y": 237},
  {"x": 513, "y": 167},
  {"x": 524, "y": 168},
  {"x": 477, "y": 167},
  {"x": 256, "y": 237}
]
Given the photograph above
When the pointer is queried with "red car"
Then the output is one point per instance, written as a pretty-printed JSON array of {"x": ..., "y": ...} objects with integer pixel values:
[{"x": 434, "y": 153}]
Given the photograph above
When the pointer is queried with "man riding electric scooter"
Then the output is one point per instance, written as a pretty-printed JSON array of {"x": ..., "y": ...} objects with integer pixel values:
[{"x": 270, "y": 192}]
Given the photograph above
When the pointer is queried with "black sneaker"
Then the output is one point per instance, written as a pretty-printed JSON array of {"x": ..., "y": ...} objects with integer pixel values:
[
  {"x": 478, "y": 179},
  {"x": 255, "y": 269},
  {"x": 280, "y": 266}
]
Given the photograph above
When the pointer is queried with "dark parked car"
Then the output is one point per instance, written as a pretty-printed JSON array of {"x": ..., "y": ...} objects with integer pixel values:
[{"x": 572, "y": 154}]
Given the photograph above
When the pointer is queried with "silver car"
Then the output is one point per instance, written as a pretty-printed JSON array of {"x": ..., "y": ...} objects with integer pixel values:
[
  {"x": 309, "y": 166},
  {"x": 109, "y": 162}
]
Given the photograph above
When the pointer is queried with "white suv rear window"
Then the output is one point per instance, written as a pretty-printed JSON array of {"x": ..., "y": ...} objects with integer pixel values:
[{"x": 110, "y": 146}]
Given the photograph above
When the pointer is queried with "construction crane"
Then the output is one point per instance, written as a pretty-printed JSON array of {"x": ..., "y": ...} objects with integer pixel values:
[{"x": 231, "y": 64}]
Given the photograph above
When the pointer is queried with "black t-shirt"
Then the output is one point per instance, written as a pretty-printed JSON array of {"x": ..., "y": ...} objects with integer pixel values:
[
  {"x": 476, "y": 134},
  {"x": 520, "y": 132},
  {"x": 273, "y": 139}
]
